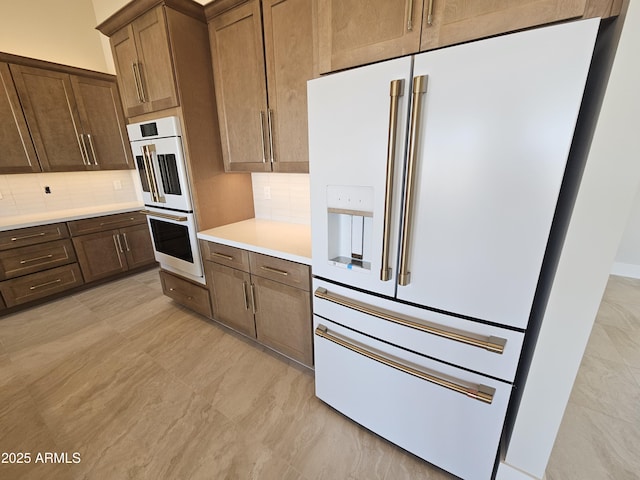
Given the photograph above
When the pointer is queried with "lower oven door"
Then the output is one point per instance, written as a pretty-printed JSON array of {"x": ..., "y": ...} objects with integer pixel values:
[
  {"x": 446, "y": 415},
  {"x": 175, "y": 242}
]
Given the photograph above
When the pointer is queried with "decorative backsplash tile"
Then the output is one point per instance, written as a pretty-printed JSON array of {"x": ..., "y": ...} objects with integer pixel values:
[
  {"x": 283, "y": 197},
  {"x": 24, "y": 194}
]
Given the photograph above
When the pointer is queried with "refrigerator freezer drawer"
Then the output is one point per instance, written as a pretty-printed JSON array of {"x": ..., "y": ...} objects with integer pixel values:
[
  {"x": 392, "y": 393},
  {"x": 487, "y": 349}
]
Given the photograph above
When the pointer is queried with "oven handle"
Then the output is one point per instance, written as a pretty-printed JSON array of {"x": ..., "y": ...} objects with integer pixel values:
[
  {"x": 492, "y": 344},
  {"x": 168, "y": 216},
  {"x": 153, "y": 184},
  {"x": 482, "y": 393}
]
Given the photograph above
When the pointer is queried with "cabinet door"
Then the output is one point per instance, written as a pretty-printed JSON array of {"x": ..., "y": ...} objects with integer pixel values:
[
  {"x": 18, "y": 154},
  {"x": 455, "y": 21},
  {"x": 125, "y": 58},
  {"x": 157, "y": 83},
  {"x": 291, "y": 59},
  {"x": 103, "y": 123},
  {"x": 283, "y": 318},
  {"x": 355, "y": 32},
  {"x": 231, "y": 292},
  {"x": 239, "y": 75},
  {"x": 50, "y": 109},
  {"x": 137, "y": 244},
  {"x": 100, "y": 255}
]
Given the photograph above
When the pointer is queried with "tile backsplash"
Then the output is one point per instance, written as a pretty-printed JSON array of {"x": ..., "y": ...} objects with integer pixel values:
[
  {"x": 282, "y": 197},
  {"x": 24, "y": 194}
]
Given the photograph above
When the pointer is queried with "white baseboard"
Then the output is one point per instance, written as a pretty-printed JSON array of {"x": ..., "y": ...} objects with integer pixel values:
[{"x": 626, "y": 270}]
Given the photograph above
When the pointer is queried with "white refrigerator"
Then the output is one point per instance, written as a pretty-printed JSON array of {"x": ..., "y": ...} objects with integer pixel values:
[{"x": 434, "y": 183}]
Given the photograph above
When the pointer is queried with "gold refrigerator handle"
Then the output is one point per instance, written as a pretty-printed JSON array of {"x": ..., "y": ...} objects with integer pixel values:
[
  {"x": 492, "y": 344},
  {"x": 480, "y": 392},
  {"x": 396, "y": 90},
  {"x": 419, "y": 89}
]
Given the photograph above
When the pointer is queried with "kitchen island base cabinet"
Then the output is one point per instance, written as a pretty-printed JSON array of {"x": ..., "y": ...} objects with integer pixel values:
[
  {"x": 186, "y": 293},
  {"x": 263, "y": 297}
]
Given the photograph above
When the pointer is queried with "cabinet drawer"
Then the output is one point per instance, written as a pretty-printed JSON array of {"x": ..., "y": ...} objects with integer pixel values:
[
  {"x": 189, "y": 294},
  {"x": 39, "y": 285},
  {"x": 32, "y": 235},
  {"x": 225, "y": 255},
  {"x": 283, "y": 271},
  {"x": 35, "y": 258},
  {"x": 448, "y": 416},
  {"x": 107, "y": 222}
]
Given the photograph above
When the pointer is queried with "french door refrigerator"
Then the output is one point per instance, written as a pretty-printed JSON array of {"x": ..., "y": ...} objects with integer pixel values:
[{"x": 434, "y": 182}]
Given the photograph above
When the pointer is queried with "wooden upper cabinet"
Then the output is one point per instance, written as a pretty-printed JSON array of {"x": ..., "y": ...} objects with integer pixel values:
[
  {"x": 240, "y": 81},
  {"x": 18, "y": 154},
  {"x": 356, "y": 32},
  {"x": 291, "y": 58},
  {"x": 260, "y": 81},
  {"x": 103, "y": 123},
  {"x": 456, "y": 21},
  {"x": 142, "y": 55},
  {"x": 50, "y": 110}
]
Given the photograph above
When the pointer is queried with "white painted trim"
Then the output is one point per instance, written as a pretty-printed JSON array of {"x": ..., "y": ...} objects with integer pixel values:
[{"x": 626, "y": 270}]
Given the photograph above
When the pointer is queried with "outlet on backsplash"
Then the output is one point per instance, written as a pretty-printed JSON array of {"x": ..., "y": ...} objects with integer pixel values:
[{"x": 282, "y": 197}]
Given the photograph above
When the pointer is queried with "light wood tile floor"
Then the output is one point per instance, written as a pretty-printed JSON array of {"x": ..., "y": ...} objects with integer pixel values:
[{"x": 144, "y": 389}]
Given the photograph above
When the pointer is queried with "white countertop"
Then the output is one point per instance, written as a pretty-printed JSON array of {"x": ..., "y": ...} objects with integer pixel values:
[
  {"x": 289, "y": 241},
  {"x": 31, "y": 220}
]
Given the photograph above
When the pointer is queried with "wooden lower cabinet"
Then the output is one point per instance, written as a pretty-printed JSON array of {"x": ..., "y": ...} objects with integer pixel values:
[
  {"x": 283, "y": 316},
  {"x": 35, "y": 258},
  {"x": 189, "y": 294},
  {"x": 230, "y": 295},
  {"x": 138, "y": 247},
  {"x": 99, "y": 255},
  {"x": 39, "y": 285},
  {"x": 2, "y": 304},
  {"x": 267, "y": 299}
]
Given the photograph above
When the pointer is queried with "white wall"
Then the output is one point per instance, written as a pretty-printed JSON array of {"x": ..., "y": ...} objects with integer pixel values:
[
  {"x": 628, "y": 257},
  {"x": 60, "y": 31}
]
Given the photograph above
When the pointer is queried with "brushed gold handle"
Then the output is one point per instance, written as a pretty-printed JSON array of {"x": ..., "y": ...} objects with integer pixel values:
[
  {"x": 148, "y": 168},
  {"x": 35, "y": 287},
  {"x": 41, "y": 234},
  {"x": 83, "y": 150},
  {"x": 419, "y": 89},
  {"x": 246, "y": 295},
  {"x": 114, "y": 222},
  {"x": 116, "y": 240},
  {"x": 274, "y": 270},
  {"x": 222, "y": 255},
  {"x": 35, "y": 259},
  {"x": 139, "y": 85},
  {"x": 409, "y": 15},
  {"x": 492, "y": 344},
  {"x": 93, "y": 150},
  {"x": 134, "y": 67},
  {"x": 272, "y": 154},
  {"x": 168, "y": 216},
  {"x": 264, "y": 148},
  {"x": 126, "y": 242},
  {"x": 482, "y": 393},
  {"x": 253, "y": 299},
  {"x": 151, "y": 149},
  {"x": 430, "y": 13},
  {"x": 396, "y": 90}
]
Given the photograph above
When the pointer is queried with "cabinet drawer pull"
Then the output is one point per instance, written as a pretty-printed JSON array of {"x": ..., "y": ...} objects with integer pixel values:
[
  {"x": 222, "y": 255},
  {"x": 41, "y": 234},
  {"x": 274, "y": 270},
  {"x": 45, "y": 284},
  {"x": 29, "y": 260},
  {"x": 180, "y": 293},
  {"x": 492, "y": 344},
  {"x": 113, "y": 222},
  {"x": 480, "y": 392}
]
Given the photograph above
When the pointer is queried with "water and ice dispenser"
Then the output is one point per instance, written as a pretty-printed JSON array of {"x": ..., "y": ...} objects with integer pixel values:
[{"x": 350, "y": 223}]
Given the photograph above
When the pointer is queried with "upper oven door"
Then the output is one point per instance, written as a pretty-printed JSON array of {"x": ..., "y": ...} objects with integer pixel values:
[{"x": 163, "y": 174}]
